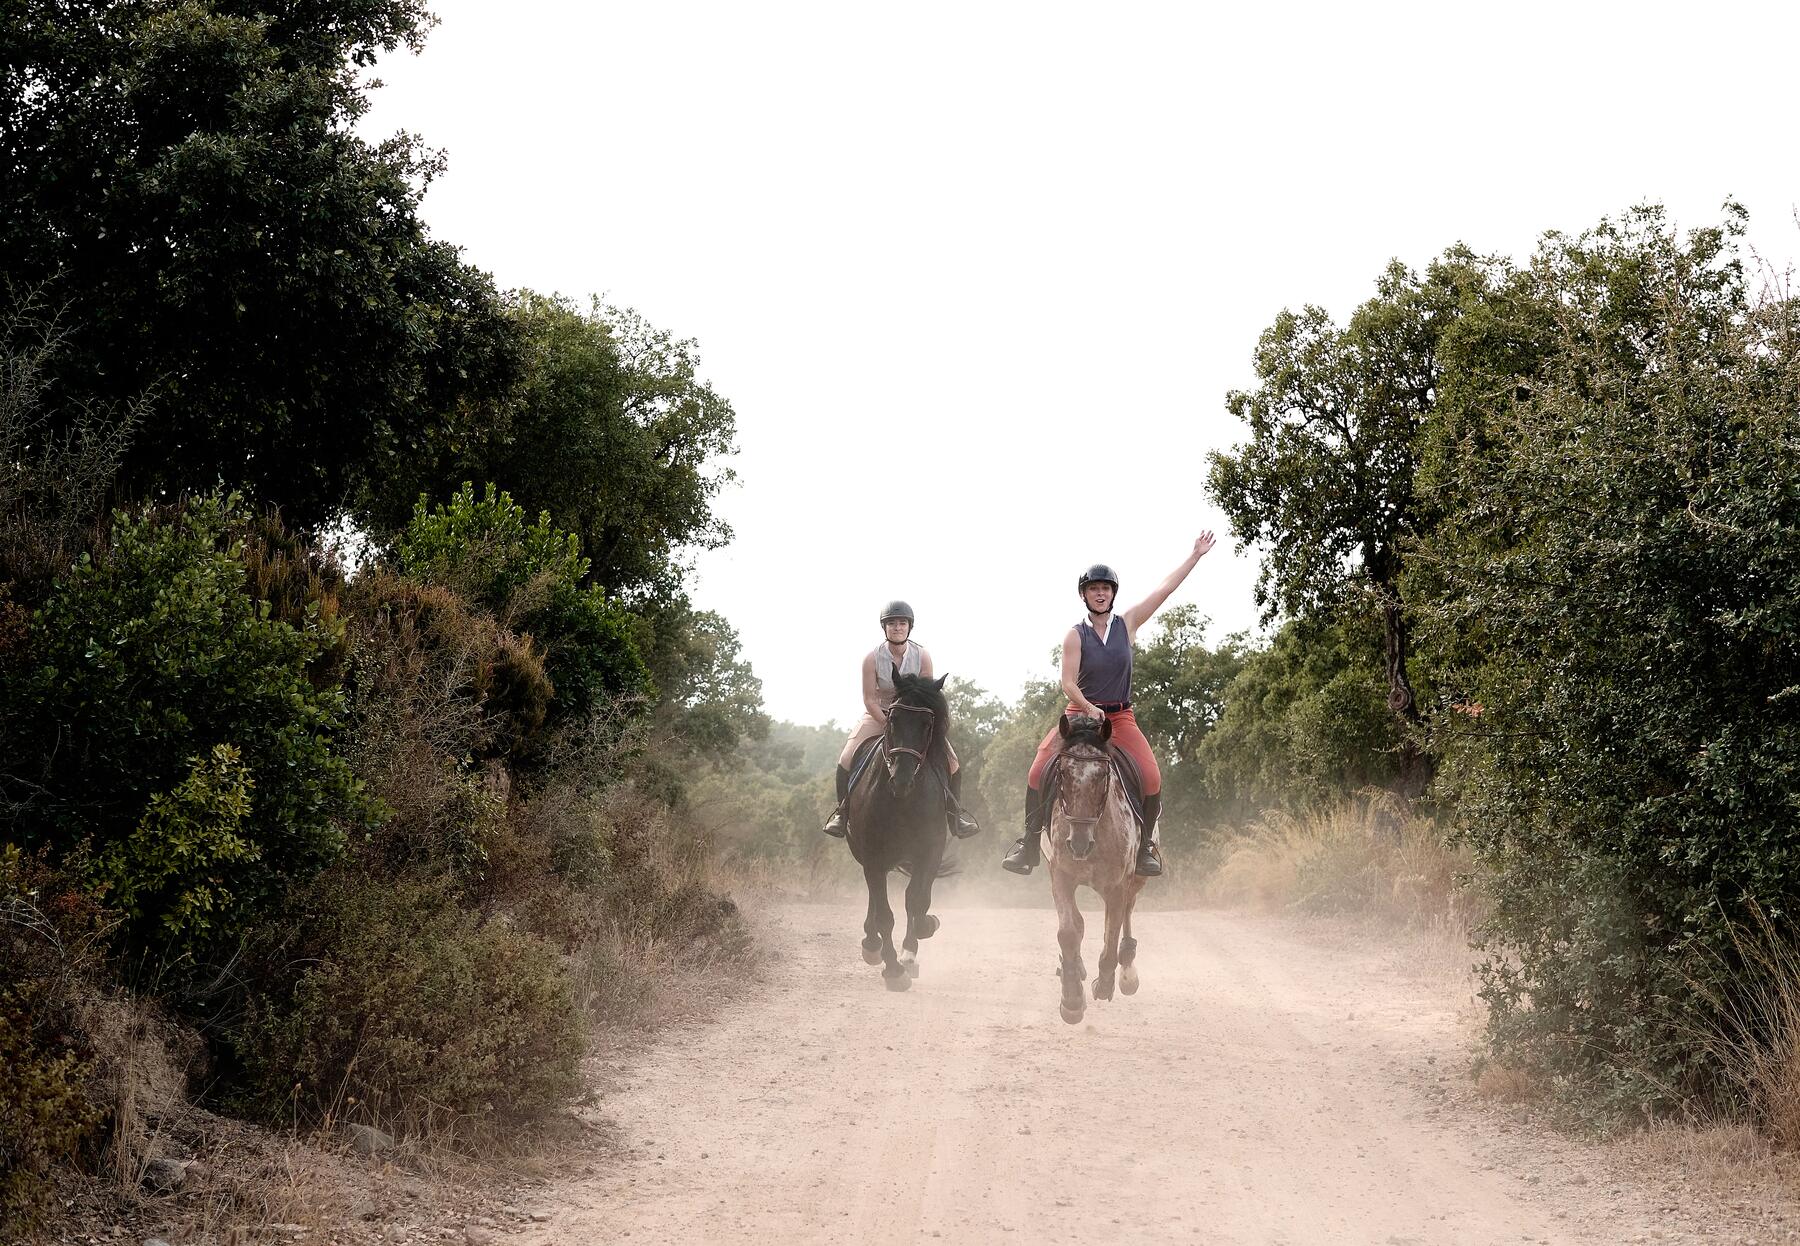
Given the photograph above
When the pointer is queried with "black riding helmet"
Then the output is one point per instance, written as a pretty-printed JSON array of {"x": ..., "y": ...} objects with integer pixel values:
[
  {"x": 1099, "y": 573},
  {"x": 897, "y": 610}
]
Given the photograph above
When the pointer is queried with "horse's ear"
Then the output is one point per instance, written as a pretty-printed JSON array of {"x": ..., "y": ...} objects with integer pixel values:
[
  {"x": 939, "y": 685},
  {"x": 1062, "y": 725},
  {"x": 1105, "y": 729}
]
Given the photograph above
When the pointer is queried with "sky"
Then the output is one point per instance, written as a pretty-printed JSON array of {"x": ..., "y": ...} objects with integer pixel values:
[{"x": 977, "y": 277}]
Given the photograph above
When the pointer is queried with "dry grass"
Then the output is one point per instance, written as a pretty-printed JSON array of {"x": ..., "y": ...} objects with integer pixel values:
[
  {"x": 1368, "y": 858},
  {"x": 1753, "y": 1028}
]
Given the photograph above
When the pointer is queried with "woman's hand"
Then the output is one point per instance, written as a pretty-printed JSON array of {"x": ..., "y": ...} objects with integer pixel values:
[{"x": 1203, "y": 543}]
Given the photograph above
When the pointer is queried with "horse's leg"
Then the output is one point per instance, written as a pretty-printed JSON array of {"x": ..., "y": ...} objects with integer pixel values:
[
  {"x": 871, "y": 944},
  {"x": 1069, "y": 928},
  {"x": 1116, "y": 905},
  {"x": 1128, "y": 974},
  {"x": 920, "y": 921},
  {"x": 883, "y": 918}
]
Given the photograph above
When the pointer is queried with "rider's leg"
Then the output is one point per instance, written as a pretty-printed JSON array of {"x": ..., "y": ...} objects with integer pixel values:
[
  {"x": 1126, "y": 735},
  {"x": 1026, "y": 852},
  {"x": 961, "y": 824},
  {"x": 1149, "y": 864},
  {"x": 1025, "y": 855},
  {"x": 836, "y": 826}
]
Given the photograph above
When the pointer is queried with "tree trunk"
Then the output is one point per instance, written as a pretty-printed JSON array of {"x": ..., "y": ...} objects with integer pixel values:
[{"x": 1416, "y": 765}]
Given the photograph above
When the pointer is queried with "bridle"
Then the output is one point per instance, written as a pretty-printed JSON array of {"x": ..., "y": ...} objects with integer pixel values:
[
  {"x": 1062, "y": 789},
  {"x": 887, "y": 741}
]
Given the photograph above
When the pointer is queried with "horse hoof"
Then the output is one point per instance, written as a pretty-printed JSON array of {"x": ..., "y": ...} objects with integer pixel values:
[
  {"x": 929, "y": 926},
  {"x": 871, "y": 950},
  {"x": 1103, "y": 990},
  {"x": 898, "y": 982},
  {"x": 1128, "y": 979},
  {"x": 912, "y": 968},
  {"x": 1071, "y": 1015}
]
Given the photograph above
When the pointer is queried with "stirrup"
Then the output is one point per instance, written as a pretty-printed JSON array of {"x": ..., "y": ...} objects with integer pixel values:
[
  {"x": 1149, "y": 861},
  {"x": 1025, "y": 855},
  {"x": 962, "y": 825},
  {"x": 835, "y": 827}
]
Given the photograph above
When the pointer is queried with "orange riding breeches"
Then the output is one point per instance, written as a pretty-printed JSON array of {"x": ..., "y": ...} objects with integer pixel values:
[{"x": 1125, "y": 734}]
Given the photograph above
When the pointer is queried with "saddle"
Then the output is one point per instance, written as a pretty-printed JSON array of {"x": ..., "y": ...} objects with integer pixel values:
[
  {"x": 1125, "y": 771},
  {"x": 862, "y": 767}
]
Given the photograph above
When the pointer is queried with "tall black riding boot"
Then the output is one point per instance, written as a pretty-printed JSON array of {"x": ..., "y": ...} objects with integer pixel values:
[
  {"x": 836, "y": 825},
  {"x": 1026, "y": 853},
  {"x": 961, "y": 824},
  {"x": 1148, "y": 863}
]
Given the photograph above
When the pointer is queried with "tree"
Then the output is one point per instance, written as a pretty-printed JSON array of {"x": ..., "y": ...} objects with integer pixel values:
[
  {"x": 1621, "y": 586},
  {"x": 185, "y": 178},
  {"x": 1326, "y": 482},
  {"x": 710, "y": 697},
  {"x": 612, "y": 433},
  {"x": 1305, "y": 721}
]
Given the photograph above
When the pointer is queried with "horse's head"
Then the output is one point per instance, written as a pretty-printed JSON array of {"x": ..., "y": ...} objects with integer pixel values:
[
  {"x": 918, "y": 722},
  {"x": 1084, "y": 784}
]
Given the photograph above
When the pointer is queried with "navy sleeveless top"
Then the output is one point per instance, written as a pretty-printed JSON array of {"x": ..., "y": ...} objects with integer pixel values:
[{"x": 1105, "y": 677}]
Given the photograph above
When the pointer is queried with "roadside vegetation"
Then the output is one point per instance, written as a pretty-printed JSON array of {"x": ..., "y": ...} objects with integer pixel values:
[{"x": 295, "y": 836}]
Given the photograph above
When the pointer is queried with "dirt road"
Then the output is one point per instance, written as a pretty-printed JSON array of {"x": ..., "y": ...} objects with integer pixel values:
[{"x": 1264, "y": 1086}]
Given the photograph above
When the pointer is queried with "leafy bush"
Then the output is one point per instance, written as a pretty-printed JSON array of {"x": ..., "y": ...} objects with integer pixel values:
[
  {"x": 144, "y": 658},
  {"x": 412, "y": 1011},
  {"x": 1627, "y": 756},
  {"x": 530, "y": 576}
]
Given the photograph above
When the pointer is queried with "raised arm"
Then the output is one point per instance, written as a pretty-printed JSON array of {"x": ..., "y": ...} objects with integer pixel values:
[
  {"x": 1071, "y": 676},
  {"x": 871, "y": 694},
  {"x": 1138, "y": 615}
]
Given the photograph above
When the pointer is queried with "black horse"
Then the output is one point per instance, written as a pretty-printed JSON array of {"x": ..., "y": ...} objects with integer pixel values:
[{"x": 896, "y": 817}]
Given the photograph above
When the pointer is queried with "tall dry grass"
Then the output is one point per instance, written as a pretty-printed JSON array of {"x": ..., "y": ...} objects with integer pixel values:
[
  {"x": 1372, "y": 857},
  {"x": 1751, "y": 1028}
]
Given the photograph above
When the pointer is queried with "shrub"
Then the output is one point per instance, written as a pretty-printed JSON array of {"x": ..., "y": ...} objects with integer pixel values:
[
  {"x": 46, "y": 935},
  {"x": 412, "y": 1012},
  {"x": 530, "y": 576},
  {"x": 144, "y": 658},
  {"x": 1620, "y": 575}
]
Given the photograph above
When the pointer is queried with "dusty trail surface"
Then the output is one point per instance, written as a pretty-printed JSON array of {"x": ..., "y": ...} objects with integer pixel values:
[{"x": 1264, "y": 1086}]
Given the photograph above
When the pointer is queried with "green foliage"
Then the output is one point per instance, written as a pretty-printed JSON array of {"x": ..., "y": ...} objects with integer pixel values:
[
  {"x": 612, "y": 434},
  {"x": 176, "y": 864},
  {"x": 1305, "y": 723},
  {"x": 187, "y": 176},
  {"x": 412, "y": 1011},
  {"x": 1007, "y": 758},
  {"x": 143, "y": 659},
  {"x": 1178, "y": 693},
  {"x": 711, "y": 699},
  {"x": 768, "y": 798},
  {"x": 530, "y": 575},
  {"x": 1327, "y": 481},
  {"x": 1618, "y": 583}
]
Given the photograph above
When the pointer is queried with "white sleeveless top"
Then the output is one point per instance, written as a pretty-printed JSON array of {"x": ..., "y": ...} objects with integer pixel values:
[{"x": 884, "y": 665}]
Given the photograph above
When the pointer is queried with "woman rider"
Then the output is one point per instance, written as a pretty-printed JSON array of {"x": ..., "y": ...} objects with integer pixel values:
[
  {"x": 1096, "y": 676},
  {"x": 898, "y": 653}
]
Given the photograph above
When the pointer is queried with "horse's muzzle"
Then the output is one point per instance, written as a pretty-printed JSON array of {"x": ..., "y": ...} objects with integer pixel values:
[{"x": 1081, "y": 838}]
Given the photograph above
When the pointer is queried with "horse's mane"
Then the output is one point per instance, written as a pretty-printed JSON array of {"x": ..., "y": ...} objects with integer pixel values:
[{"x": 918, "y": 690}]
